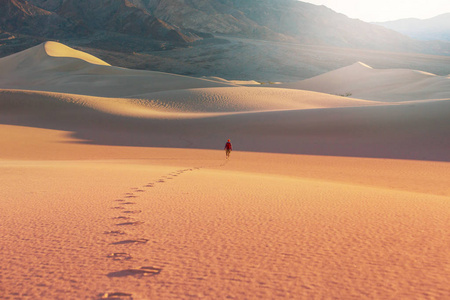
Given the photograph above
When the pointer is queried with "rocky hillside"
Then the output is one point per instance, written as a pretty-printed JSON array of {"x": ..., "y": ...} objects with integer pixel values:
[
  {"x": 22, "y": 17},
  {"x": 282, "y": 20},
  {"x": 85, "y": 18}
]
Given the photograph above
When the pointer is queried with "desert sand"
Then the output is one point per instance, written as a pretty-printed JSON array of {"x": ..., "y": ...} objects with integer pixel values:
[{"x": 115, "y": 185}]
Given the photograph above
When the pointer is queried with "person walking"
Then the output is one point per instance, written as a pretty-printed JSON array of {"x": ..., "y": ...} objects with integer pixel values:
[{"x": 228, "y": 148}]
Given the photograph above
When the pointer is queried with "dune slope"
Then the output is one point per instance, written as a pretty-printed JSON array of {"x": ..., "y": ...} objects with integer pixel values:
[
  {"x": 55, "y": 67},
  {"x": 389, "y": 85},
  {"x": 408, "y": 130}
]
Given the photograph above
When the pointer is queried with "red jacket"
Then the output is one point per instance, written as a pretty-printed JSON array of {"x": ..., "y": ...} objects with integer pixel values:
[{"x": 228, "y": 146}]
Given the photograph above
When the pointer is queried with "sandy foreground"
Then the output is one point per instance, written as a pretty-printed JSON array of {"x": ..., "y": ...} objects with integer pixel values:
[
  {"x": 113, "y": 187},
  {"x": 85, "y": 222}
]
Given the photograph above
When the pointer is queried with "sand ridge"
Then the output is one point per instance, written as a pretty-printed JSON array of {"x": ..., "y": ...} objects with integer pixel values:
[{"x": 184, "y": 103}]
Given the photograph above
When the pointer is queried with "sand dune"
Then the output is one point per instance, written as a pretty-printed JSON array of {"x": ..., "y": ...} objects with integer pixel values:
[
  {"x": 257, "y": 118},
  {"x": 179, "y": 104},
  {"x": 57, "y": 68},
  {"x": 52, "y": 70},
  {"x": 390, "y": 85},
  {"x": 115, "y": 184},
  {"x": 408, "y": 131},
  {"x": 239, "y": 99},
  {"x": 237, "y": 82}
]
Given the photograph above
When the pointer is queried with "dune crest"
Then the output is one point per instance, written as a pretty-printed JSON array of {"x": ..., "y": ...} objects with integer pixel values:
[
  {"x": 362, "y": 64},
  {"x": 55, "y": 49},
  {"x": 37, "y": 65}
]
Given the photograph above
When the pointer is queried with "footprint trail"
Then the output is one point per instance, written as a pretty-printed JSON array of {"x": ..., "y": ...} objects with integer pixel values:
[{"x": 123, "y": 205}]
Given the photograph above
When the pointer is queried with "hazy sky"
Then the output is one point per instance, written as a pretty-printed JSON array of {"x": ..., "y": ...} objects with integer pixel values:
[{"x": 386, "y": 10}]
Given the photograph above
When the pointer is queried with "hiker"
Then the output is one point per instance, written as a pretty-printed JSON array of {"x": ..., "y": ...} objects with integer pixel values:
[{"x": 228, "y": 148}]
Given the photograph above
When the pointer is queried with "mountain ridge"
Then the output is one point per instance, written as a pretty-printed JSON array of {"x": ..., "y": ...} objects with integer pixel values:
[
  {"x": 282, "y": 39},
  {"x": 84, "y": 18},
  {"x": 436, "y": 28},
  {"x": 182, "y": 22}
]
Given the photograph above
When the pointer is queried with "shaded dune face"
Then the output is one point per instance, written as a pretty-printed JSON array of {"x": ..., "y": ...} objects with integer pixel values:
[{"x": 56, "y": 87}]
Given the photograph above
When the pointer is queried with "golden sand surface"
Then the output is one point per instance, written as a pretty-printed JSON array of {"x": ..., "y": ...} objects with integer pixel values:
[{"x": 80, "y": 221}]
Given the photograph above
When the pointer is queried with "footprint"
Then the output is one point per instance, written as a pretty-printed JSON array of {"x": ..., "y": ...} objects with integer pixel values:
[
  {"x": 132, "y": 211},
  {"x": 131, "y": 196},
  {"x": 139, "y": 241},
  {"x": 115, "y": 232},
  {"x": 149, "y": 185},
  {"x": 120, "y": 200},
  {"x": 121, "y": 217},
  {"x": 144, "y": 271},
  {"x": 130, "y": 223},
  {"x": 116, "y": 296},
  {"x": 140, "y": 191},
  {"x": 120, "y": 256},
  {"x": 161, "y": 180},
  {"x": 128, "y": 203},
  {"x": 118, "y": 207}
]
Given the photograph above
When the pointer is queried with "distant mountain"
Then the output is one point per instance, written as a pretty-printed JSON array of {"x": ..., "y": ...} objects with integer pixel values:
[
  {"x": 437, "y": 28},
  {"x": 288, "y": 20},
  {"x": 194, "y": 37},
  {"x": 84, "y": 18},
  {"x": 214, "y": 16},
  {"x": 185, "y": 21},
  {"x": 18, "y": 16}
]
